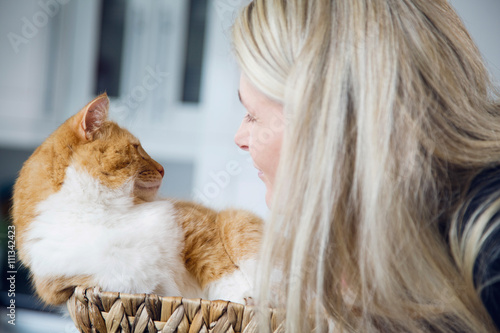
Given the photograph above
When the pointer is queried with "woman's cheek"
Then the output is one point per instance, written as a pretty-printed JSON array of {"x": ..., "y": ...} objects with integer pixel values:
[
  {"x": 263, "y": 138},
  {"x": 254, "y": 145}
]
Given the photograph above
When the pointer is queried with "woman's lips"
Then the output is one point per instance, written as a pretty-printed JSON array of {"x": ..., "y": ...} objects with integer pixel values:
[{"x": 260, "y": 173}]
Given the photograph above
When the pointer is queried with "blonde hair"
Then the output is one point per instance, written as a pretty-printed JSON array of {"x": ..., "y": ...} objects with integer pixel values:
[{"x": 390, "y": 114}]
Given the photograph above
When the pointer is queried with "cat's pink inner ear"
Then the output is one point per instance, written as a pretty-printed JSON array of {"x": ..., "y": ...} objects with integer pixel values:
[{"x": 94, "y": 115}]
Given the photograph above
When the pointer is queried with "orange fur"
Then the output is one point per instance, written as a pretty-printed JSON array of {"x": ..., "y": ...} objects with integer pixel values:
[
  {"x": 214, "y": 242},
  {"x": 57, "y": 290}
]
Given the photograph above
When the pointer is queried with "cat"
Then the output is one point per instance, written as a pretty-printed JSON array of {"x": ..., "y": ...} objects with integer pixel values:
[{"x": 86, "y": 213}]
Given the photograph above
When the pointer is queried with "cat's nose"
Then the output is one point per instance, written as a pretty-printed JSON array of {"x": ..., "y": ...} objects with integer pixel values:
[
  {"x": 158, "y": 167},
  {"x": 161, "y": 170}
]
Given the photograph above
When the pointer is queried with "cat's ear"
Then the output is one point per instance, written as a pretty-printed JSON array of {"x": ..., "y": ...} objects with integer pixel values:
[{"x": 92, "y": 116}]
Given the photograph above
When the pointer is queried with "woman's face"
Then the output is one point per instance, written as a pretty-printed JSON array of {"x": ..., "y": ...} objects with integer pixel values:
[{"x": 261, "y": 132}]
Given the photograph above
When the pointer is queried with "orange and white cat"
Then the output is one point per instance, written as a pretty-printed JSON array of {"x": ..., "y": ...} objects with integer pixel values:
[{"x": 86, "y": 213}]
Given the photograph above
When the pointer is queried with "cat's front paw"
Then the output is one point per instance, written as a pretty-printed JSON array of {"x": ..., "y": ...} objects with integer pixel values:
[{"x": 229, "y": 288}]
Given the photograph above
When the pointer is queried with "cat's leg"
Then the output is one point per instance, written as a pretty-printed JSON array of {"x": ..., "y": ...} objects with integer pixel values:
[
  {"x": 57, "y": 290},
  {"x": 204, "y": 254},
  {"x": 240, "y": 232},
  {"x": 217, "y": 246}
]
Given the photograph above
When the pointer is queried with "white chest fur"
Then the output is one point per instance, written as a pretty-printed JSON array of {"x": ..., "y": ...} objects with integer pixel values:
[{"x": 89, "y": 229}]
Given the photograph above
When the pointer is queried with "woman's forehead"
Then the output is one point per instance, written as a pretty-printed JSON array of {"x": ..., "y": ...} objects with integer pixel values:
[{"x": 253, "y": 98}]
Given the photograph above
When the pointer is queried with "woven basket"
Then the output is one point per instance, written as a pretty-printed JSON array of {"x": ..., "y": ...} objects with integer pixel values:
[{"x": 93, "y": 310}]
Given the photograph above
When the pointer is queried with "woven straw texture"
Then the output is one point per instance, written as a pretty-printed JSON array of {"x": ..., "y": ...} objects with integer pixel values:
[{"x": 93, "y": 310}]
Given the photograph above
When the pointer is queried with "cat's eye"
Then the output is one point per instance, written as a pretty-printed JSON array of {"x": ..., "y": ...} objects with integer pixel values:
[{"x": 142, "y": 152}]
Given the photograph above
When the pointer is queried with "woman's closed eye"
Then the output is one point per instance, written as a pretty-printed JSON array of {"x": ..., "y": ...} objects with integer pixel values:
[{"x": 249, "y": 118}]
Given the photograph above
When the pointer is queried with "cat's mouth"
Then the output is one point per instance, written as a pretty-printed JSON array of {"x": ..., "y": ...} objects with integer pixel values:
[
  {"x": 146, "y": 190},
  {"x": 148, "y": 186}
]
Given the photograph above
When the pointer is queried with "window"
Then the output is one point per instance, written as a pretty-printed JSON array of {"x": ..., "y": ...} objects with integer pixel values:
[
  {"x": 109, "y": 59},
  {"x": 194, "y": 50}
]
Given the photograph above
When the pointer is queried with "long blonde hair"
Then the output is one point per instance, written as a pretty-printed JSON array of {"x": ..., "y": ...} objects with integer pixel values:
[{"x": 390, "y": 113}]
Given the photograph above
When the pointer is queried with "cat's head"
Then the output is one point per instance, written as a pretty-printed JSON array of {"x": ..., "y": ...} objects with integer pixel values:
[{"x": 110, "y": 153}]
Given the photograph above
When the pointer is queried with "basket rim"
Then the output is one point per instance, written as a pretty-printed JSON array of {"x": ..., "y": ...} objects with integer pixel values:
[{"x": 95, "y": 310}]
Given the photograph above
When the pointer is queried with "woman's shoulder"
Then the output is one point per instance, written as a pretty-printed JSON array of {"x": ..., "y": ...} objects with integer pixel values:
[
  {"x": 484, "y": 200},
  {"x": 487, "y": 274}
]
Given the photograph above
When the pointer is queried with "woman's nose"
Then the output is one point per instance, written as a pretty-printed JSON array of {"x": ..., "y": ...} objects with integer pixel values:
[{"x": 241, "y": 137}]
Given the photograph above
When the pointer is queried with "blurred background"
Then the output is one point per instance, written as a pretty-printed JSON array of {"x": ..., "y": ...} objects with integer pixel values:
[{"x": 168, "y": 69}]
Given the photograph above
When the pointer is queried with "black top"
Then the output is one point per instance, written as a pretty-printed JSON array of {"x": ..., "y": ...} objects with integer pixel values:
[{"x": 484, "y": 191}]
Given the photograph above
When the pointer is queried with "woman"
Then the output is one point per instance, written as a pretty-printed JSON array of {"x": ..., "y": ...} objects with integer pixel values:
[{"x": 376, "y": 130}]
